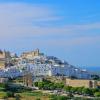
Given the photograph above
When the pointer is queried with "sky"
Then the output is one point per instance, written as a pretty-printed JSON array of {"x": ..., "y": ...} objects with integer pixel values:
[{"x": 67, "y": 29}]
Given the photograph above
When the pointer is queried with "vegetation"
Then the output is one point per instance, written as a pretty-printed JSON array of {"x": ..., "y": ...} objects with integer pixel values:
[
  {"x": 2, "y": 94},
  {"x": 18, "y": 92},
  {"x": 97, "y": 94},
  {"x": 95, "y": 77},
  {"x": 38, "y": 99},
  {"x": 57, "y": 97},
  {"x": 48, "y": 85}
]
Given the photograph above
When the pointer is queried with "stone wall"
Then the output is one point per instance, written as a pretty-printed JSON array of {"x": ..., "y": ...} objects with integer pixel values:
[
  {"x": 98, "y": 83},
  {"x": 81, "y": 83}
]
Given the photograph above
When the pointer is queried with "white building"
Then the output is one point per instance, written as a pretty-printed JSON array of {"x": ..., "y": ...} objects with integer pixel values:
[
  {"x": 45, "y": 66},
  {"x": 55, "y": 70}
]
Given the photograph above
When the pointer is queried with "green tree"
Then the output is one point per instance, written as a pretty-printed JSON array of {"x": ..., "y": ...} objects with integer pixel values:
[
  {"x": 79, "y": 90},
  {"x": 41, "y": 85},
  {"x": 36, "y": 84},
  {"x": 46, "y": 86},
  {"x": 97, "y": 94},
  {"x": 10, "y": 94},
  {"x": 74, "y": 89},
  {"x": 87, "y": 91},
  {"x": 95, "y": 90},
  {"x": 52, "y": 87},
  {"x": 59, "y": 85},
  {"x": 67, "y": 88},
  {"x": 17, "y": 97}
]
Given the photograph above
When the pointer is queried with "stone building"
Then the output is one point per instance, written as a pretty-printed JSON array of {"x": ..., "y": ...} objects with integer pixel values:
[
  {"x": 28, "y": 79},
  {"x": 4, "y": 59},
  {"x": 3, "y": 80},
  {"x": 81, "y": 83},
  {"x": 31, "y": 54},
  {"x": 98, "y": 83}
]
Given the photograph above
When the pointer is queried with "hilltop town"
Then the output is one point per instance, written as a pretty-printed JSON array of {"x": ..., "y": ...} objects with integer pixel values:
[
  {"x": 38, "y": 64},
  {"x": 35, "y": 70}
]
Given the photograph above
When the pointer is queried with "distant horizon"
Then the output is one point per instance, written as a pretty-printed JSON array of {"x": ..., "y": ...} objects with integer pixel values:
[{"x": 95, "y": 69}]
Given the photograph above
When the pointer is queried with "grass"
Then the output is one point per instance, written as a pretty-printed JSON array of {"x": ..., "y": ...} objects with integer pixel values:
[
  {"x": 27, "y": 96},
  {"x": 33, "y": 96},
  {"x": 2, "y": 94},
  {"x": 39, "y": 94}
]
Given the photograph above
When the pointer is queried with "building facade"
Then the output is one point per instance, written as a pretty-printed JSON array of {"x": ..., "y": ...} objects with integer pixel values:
[
  {"x": 4, "y": 59},
  {"x": 31, "y": 54},
  {"x": 81, "y": 83}
]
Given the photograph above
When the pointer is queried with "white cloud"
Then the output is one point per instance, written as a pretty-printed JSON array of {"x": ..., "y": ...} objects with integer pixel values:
[
  {"x": 21, "y": 20},
  {"x": 78, "y": 41}
]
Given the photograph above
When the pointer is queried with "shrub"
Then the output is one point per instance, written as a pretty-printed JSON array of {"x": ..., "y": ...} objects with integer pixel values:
[
  {"x": 2, "y": 85},
  {"x": 55, "y": 97},
  {"x": 97, "y": 94},
  {"x": 17, "y": 97},
  {"x": 87, "y": 91},
  {"x": 10, "y": 94},
  {"x": 63, "y": 98},
  {"x": 36, "y": 84}
]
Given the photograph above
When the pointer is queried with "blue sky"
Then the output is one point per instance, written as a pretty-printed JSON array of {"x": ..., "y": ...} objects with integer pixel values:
[{"x": 68, "y": 29}]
